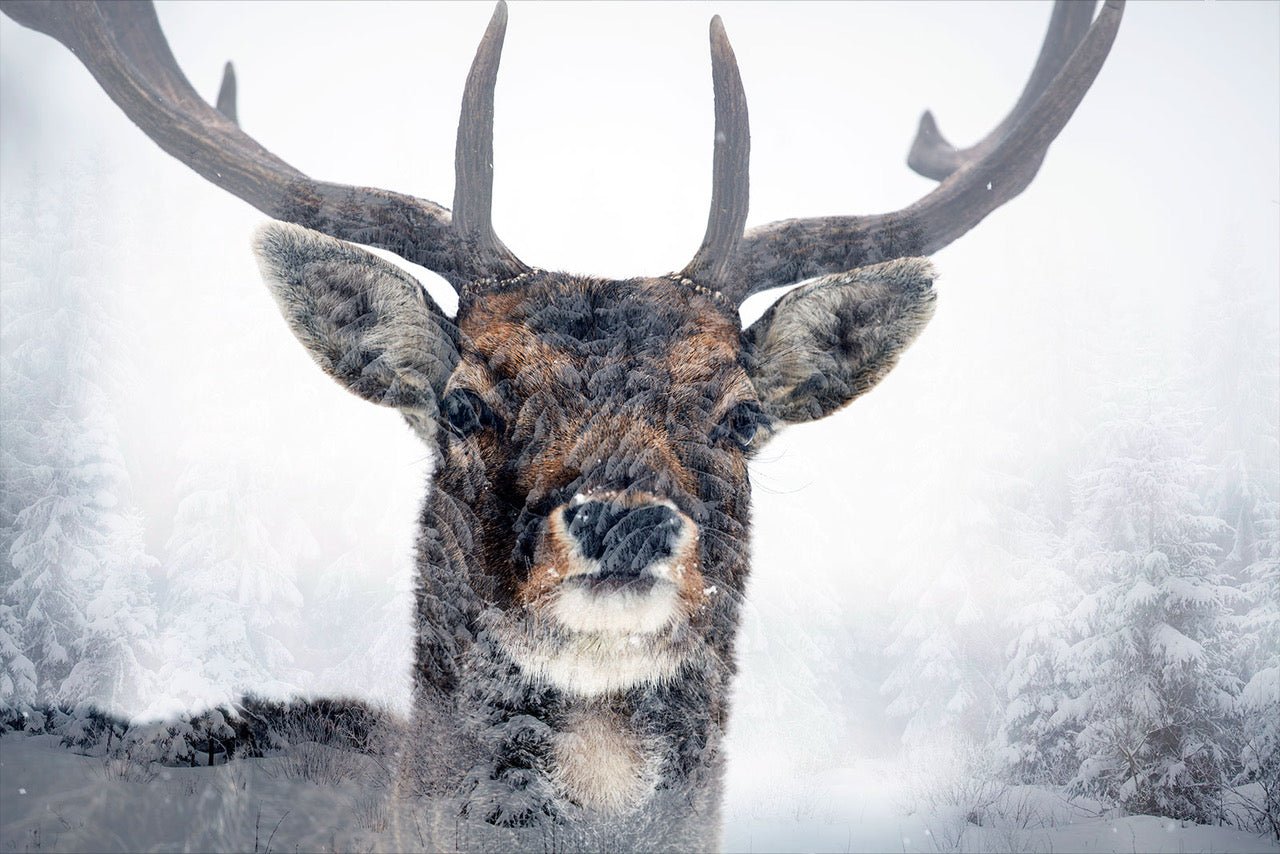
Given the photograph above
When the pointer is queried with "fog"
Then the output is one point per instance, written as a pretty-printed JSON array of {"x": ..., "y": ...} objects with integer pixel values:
[{"x": 1154, "y": 217}]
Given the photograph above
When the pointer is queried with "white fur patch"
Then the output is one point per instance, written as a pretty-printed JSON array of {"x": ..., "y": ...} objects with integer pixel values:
[
  {"x": 621, "y": 612},
  {"x": 593, "y": 642},
  {"x": 601, "y": 764},
  {"x": 592, "y": 665}
]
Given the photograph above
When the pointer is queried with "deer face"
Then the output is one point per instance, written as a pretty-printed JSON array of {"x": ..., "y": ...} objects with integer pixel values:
[
  {"x": 607, "y": 424},
  {"x": 594, "y": 433},
  {"x": 610, "y": 422}
]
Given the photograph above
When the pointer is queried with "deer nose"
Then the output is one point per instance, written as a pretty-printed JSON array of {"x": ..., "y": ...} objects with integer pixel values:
[{"x": 625, "y": 540}]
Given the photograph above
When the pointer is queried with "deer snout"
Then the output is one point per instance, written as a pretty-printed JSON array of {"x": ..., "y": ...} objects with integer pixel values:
[
  {"x": 620, "y": 564},
  {"x": 623, "y": 541}
]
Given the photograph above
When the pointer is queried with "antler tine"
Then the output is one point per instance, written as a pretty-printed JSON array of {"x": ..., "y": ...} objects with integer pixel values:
[
  {"x": 730, "y": 188},
  {"x": 226, "y": 102},
  {"x": 123, "y": 46},
  {"x": 933, "y": 157},
  {"x": 473, "y": 187},
  {"x": 793, "y": 250}
]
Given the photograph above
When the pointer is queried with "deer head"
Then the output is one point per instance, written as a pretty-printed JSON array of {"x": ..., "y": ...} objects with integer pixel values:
[
  {"x": 596, "y": 432},
  {"x": 589, "y": 516}
]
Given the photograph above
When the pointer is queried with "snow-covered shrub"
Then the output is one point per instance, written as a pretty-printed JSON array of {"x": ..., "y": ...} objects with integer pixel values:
[
  {"x": 954, "y": 778},
  {"x": 965, "y": 804},
  {"x": 126, "y": 766},
  {"x": 263, "y": 726},
  {"x": 18, "y": 719},
  {"x": 321, "y": 764},
  {"x": 1260, "y": 750},
  {"x": 323, "y": 741},
  {"x": 86, "y": 729},
  {"x": 214, "y": 736},
  {"x": 371, "y": 812},
  {"x": 170, "y": 742}
]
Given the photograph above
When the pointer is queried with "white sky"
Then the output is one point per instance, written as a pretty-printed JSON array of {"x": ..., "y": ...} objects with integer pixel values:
[{"x": 1166, "y": 178}]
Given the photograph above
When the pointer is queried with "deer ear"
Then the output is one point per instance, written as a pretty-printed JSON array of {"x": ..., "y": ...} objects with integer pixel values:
[
  {"x": 368, "y": 324},
  {"x": 829, "y": 341}
]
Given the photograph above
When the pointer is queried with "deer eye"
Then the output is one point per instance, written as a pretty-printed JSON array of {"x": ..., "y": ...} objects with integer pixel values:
[
  {"x": 465, "y": 413},
  {"x": 741, "y": 425}
]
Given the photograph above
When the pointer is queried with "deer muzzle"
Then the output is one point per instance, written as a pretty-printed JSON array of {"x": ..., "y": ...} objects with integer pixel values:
[{"x": 631, "y": 563}]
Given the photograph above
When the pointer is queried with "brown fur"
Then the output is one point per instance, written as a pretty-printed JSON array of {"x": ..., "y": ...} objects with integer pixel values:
[{"x": 554, "y": 563}]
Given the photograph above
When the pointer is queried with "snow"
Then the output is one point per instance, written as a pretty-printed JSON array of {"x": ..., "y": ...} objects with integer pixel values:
[
  {"x": 81, "y": 803},
  {"x": 1263, "y": 689},
  {"x": 878, "y": 806},
  {"x": 52, "y": 799}
]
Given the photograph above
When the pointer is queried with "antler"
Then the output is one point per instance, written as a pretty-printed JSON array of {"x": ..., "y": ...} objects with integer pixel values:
[
  {"x": 975, "y": 181},
  {"x": 473, "y": 189},
  {"x": 123, "y": 46},
  {"x": 729, "y": 183},
  {"x": 933, "y": 157}
]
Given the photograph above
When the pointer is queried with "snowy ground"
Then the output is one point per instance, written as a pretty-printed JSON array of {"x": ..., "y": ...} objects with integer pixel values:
[
  {"x": 54, "y": 800},
  {"x": 877, "y": 806}
]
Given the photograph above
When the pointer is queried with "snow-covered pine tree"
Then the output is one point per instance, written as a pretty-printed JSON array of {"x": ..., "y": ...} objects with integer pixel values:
[
  {"x": 58, "y": 551},
  {"x": 116, "y": 661},
  {"x": 18, "y": 680},
  {"x": 938, "y": 684},
  {"x": 1031, "y": 746},
  {"x": 357, "y": 637},
  {"x": 342, "y": 608},
  {"x": 1151, "y": 677},
  {"x": 1237, "y": 369},
  {"x": 15, "y": 397},
  {"x": 1259, "y": 702},
  {"x": 68, "y": 489}
]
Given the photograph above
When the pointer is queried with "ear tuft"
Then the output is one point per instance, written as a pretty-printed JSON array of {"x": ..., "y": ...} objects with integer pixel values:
[
  {"x": 367, "y": 323},
  {"x": 281, "y": 247},
  {"x": 832, "y": 340}
]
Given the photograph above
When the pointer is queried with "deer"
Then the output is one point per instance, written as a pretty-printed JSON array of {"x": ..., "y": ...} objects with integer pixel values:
[{"x": 583, "y": 546}]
